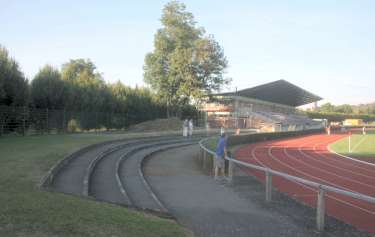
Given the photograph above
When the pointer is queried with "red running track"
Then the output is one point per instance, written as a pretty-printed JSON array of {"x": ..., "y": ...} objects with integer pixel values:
[{"x": 308, "y": 157}]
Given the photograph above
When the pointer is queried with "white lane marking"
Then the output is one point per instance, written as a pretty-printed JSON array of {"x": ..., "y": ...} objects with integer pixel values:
[{"x": 312, "y": 189}]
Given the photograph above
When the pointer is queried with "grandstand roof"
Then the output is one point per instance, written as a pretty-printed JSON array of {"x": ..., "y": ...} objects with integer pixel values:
[{"x": 280, "y": 91}]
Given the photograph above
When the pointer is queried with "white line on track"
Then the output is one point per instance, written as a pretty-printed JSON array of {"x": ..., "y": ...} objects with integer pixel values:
[
  {"x": 344, "y": 163},
  {"x": 314, "y": 190},
  {"x": 351, "y": 159},
  {"x": 323, "y": 160},
  {"x": 348, "y": 162},
  {"x": 331, "y": 165}
]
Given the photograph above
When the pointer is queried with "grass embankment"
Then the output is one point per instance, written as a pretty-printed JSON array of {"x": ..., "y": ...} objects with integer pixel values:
[
  {"x": 362, "y": 146},
  {"x": 28, "y": 211},
  {"x": 211, "y": 143},
  {"x": 169, "y": 124}
]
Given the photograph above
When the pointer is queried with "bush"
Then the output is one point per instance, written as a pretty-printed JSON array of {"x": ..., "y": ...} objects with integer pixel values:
[{"x": 73, "y": 126}]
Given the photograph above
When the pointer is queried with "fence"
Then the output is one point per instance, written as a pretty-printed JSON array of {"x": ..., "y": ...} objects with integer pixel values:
[
  {"x": 26, "y": 120},
  {"x": 322, "y": 189}
]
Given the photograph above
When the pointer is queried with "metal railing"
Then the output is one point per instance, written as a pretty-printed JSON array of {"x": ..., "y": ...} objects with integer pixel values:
[{"x": 321, "y": 188}]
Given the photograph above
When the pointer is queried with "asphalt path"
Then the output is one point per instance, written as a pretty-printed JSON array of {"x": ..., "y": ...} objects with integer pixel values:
[{"x": 210, "y": 208}]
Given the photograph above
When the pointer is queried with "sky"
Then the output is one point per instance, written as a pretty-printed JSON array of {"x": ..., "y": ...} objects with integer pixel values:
[{"x": 324, "y": 46}]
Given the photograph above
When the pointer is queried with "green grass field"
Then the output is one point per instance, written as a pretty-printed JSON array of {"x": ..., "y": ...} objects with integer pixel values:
[
  {"x": 28, "y": 211},
  {"x": 362, "y": 146},
  {"x": 211, "y": 143}
]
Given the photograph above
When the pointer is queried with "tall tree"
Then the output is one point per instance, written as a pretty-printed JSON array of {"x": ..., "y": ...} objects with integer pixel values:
[
  {"x": 13, "y": 84},
  {"x": 185, "y": 63},
  {"x": 85, "y": 85},
  {"x": 48, "y": 90}
]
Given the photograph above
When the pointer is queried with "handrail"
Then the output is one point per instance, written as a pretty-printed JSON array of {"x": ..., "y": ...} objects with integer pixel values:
[
  {"x": 295, "y": 178},
  {"x": 321, "y": 187}
]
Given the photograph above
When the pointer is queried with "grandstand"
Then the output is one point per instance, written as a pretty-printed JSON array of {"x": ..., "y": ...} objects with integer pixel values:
[{"x": 268, "y": 107}]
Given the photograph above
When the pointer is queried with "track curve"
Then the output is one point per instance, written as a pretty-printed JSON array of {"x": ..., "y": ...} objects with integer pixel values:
[{"x": 308, "y": 157}]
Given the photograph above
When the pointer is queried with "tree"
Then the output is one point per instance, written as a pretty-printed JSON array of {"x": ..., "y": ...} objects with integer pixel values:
[
  {"x": 86, "y": 87},
  {"x": 185, "y": 63},
  {"x": 48, "y": 90},
  {"x": 327, "y": 107},
  {"x": 13, "y": 84},
  {"x": 139, "y": 104},
  {"x": 2, "y": 91},
  {"x": 345, "y": 108}
]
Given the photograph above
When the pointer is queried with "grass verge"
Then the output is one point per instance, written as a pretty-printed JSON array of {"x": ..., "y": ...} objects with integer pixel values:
[
  {"x": 28, "y": 211},
  {"x": 211, "y": 143},
  {"x": 362, "y": 146}
]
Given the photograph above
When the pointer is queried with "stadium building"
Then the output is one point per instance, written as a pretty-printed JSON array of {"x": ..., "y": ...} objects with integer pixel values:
[{"x": 268, "y": 107}]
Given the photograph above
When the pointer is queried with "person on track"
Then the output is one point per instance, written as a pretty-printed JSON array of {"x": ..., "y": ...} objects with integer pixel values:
[
  {"x": 328, "y": 129},
  {"x": 191, "y": 127},
  {"x": 220, "y": 154}
]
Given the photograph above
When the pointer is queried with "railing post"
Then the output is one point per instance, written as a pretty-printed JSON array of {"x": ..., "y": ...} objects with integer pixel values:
[
  {"x": 63, "y": 122},
  {"x": 24, "y": 121},
  {"x": 268, "y": 186},
  {"x": 230, "y": 170},
  {"x": 320, "y": 210},
  {"x": 47, "y": 122},
  {"x": 204, "y": 159},
  {"x": 213, "y": 162}
]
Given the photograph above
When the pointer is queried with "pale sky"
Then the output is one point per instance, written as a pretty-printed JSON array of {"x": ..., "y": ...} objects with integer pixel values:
[{"x": 324, "y": 46}]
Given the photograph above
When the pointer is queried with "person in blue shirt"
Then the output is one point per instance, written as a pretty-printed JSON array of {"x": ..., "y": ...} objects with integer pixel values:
[{"x": 220, "y": 154}]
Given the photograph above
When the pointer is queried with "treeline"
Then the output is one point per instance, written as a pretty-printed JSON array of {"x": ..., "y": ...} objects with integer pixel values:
[
  {"x": 77, "y": 87},
  {"x": 339, "y": 117},
  {"x": 361, "y": 109},
  {"x": 338, "y": 113}
]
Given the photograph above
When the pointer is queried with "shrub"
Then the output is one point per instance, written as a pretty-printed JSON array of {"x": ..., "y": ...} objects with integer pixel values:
[{"x": 73, "y": 126}]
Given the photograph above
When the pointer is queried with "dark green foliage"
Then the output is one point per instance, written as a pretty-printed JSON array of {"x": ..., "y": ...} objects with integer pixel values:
[
  {"x": 48, "y": 90},
  {"x": 139, "y": 104},
  {"x": 188, "y": 111},
  {"x": 185, "y": 63},
  {"x": 338, "y": 113},
  {"x": 13, "y": 84},
  {"x": 77, "y": 93},
  {"x": 339, "y": 117},
  {"x": 91, "y": 102},
  {"x": 347, "y": 109},
  {"x": 86, "y": 88},
  {"x": 364, "y": 108}
]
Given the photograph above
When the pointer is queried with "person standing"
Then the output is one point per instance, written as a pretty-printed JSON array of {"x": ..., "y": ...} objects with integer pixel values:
[
  {"x": 328, "y": 130},
  {"x": 191, "y": 127},
  {"x": 185, "y": 128},
  {"x": 220, "y": 154},
  {"x": 364, "y": 130},
  {"x": 222, "y": 130}
]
